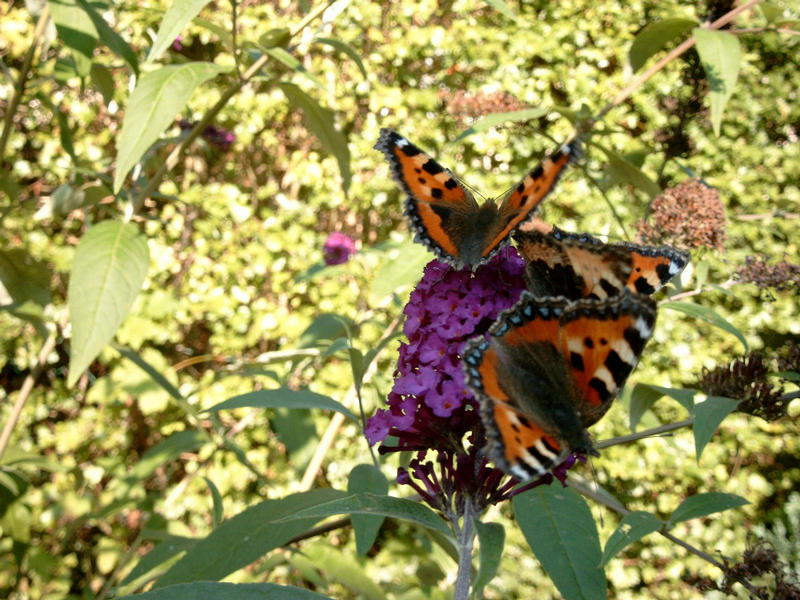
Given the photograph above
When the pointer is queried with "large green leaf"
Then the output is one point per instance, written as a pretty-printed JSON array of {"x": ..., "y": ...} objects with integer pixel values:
[
  {"x": 502, "y": 8},
  {"x": 321, "y": 123},
  {"x": 374, "y": 504},
  {"x": 366, "y": 478},
  {"x": 402, "y": 270},
  {"x": 25, "y": 278},
  {"x": 632, "y": 528},
  {"x": 158, "y": 97},
  {"x": 721, "y": 56},
  {"x": 285, "y": 57},
  {"x": 283, "y": 398},
  {"x": 108, "y": 270},
  {"x": 343, "y": 568},
  {"x": 706, "y": 314},
  {"x": 76, "y": 30},
  {"x": 178, "y": 15},
  {"x": 491, "y": 538},
  {"x": 559, "y": 528},
  {"x": 167, "y": 450},
  {"x": 495, "y": 119},
  {"x": 158, "y": 560},
  {"x": 701, "y": 505},
  {"x": 655, "y": 36},
  {"x": 708, "y": 415},
  {"x": 246, "y": 537},
  {"x": 227, "y": 591}
]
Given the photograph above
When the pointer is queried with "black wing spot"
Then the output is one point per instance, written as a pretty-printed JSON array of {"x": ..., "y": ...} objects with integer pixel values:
[
  {"x": 451, "y": 184},
  {"x": 432, "y": 167},
  {"x": 437, "y": 193}
]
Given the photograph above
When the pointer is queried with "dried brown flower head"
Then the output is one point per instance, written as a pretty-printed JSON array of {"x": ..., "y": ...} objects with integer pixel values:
[
  {"x": 780, "y": 276},
  {"x": 689, "y": 215},
  {"x": 466, "y": 107},
  {"x": 746, "y": 380},
  {"x": 759, "y": 561}
]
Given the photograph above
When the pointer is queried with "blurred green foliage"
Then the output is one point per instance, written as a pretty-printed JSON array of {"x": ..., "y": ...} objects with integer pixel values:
[{"x": 100, "y": 473}]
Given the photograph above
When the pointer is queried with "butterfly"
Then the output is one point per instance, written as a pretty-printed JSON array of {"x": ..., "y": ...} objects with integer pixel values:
[
  {"x": 445, "y": 216},
  {"x": 577, "y": 265},
  {"x": 549, "y": 369}
]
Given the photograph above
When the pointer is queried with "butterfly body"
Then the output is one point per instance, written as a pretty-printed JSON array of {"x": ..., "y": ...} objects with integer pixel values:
[
  {"x": 445, "y": 216},
  {"x": 551, "y": 368},
  {"x": 579, "y": 265}
]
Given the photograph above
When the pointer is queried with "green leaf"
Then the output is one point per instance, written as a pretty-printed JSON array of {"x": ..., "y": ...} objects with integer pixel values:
[
  {"x": 708, "y": 415},
  {"x": 103, "y": 80},
  {"x": 17, "y": 457},
  {"x": 218, "y": 511},
  {"x": 283, "y": 398},
  {"x": 647, "y": 393},
  {"x": 403, "y": 269},
  {"x": 183, "y": 441},
  {"x": 721, "y": 56},
  {"x": 788, "y": 375},
  {"x": 770, "y": 11},
  {"x": 246, "y": 537},
  {"x": 559, "y": 528},
  {"x": 632, "y": 528},
  {"x": 364, "y": 503},
  {"x": 287, "y": 59},
  {"x": 708, "y": 315},
  {"x": 108, "y": 270},
  {"x": 623, "y": 172},
  {"x": 366, "y": 478},
  {"x": 321, "y": 123},
  {"x": 158, "y": 97},
  {"x": 110, "y": 37},
  {"x": 491, "y": 538},
  {"x": 655, "y": 36},
  {"x": 25, "y": 278},
  {"x": 227, "y": 591},
  {"x": 342, "y": 568},
  {"x": 701, "y": 505},
  {"x": 157, "y": 561},
  {"x": 323, "y": 329},
  {"x": 344, "y": 48},
  {"x": 178, "y": 15},
  {"x": 154, "y": 373},
  {"x": 495, "y": 119},
  {"x": 76, "y": 29},
  {"x": 502, "y": 8}
]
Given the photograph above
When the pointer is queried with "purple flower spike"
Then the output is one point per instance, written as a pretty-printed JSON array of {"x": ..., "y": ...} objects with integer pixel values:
[
  {"x": 338, "y": 248},
  {"x": 430, "y": 408}
]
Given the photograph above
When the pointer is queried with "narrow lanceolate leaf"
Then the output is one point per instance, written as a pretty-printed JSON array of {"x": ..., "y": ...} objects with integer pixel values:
[
  {"x": 344, "y": 48},
  {"x": 633, "y": 527},
  {"x": 76, "y": 30},
  {"x": 708, "y": 415},
  {"x": 228, "y": 591},
  {"x": 285, "y": 57},
  {"x": 721, "y": 56},
  {"x": 375, "y": 504},
  {"x": 559, "y": 528},
  {"x": 491, "y": 538},
  {"x": 178, "y": 16},
  {"x": 650, "y": 393},
  {"x": 708, "y": 315},
  {"x": 283, "y": 398},
  {"x": 244, "y": 538},
  {"x": 320, "y": 122},
  {"x": 110, "y": 37},
  {"x": 656, "y": 36},
  {"x": 701, "y": 505},
  {"x": 495, "y": 119},
  {"x": 158, "y": 97},
  {"x": 502, "y": 8},
  {"x": 108, "y": 270},
  {"x": 623, "y": 171},
  {"x": 366, "y": 478}
]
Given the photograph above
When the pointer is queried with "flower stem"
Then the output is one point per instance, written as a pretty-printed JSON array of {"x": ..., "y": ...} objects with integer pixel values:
[{"x": 466, "y": 538}]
